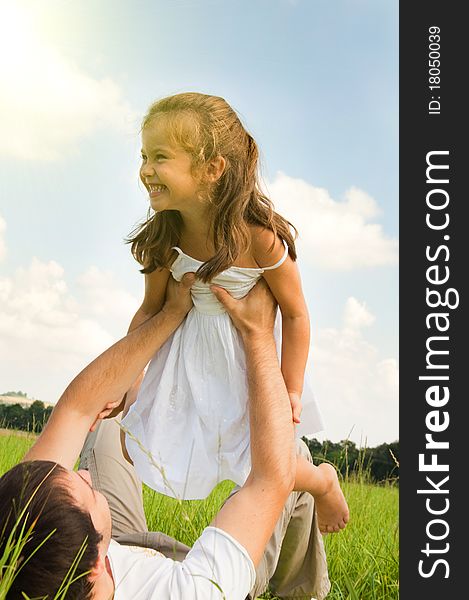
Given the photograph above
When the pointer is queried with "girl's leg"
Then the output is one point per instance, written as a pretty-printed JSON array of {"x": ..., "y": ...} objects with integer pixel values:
[{"x": 323, "y": 484}]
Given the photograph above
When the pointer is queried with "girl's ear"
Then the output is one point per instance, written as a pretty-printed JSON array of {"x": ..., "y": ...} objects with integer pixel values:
[{"x": 215, "y": 168}]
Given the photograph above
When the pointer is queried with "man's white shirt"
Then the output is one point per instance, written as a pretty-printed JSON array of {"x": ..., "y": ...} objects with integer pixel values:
[{"x": 217, "y": 567}]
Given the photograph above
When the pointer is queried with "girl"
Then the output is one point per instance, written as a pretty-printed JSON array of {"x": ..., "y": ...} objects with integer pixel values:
[{"x": 188, "y": 428}]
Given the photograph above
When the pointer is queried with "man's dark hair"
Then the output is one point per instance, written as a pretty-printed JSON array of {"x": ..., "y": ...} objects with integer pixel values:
[{"x": 43, "y": 484}]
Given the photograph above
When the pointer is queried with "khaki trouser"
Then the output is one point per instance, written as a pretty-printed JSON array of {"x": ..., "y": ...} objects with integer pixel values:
[{"x": 294, "y": 562}]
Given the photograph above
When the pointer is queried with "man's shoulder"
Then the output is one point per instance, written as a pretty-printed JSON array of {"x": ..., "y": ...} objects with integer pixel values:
[
  {"x": 133, "y": 565},
  {"x": 138, "y": 551},
  {"x": 215, "y": 556}
]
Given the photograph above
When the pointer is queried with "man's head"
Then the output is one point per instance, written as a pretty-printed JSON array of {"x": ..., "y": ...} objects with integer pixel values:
[{"x": 67, "y": 519}]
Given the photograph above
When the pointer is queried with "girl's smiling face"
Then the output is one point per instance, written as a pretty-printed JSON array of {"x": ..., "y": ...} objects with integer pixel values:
[{"x": 166, "y": 170}]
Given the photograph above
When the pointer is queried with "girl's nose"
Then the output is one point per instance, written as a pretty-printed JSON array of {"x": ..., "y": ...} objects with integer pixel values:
[{"x": 147, "y": 170}]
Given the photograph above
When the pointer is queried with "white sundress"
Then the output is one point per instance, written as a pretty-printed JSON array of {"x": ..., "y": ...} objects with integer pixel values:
[{"x": 189, "y": 427}]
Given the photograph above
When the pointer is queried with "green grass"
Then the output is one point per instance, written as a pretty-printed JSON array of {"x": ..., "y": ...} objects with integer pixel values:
[
  {"x": 183, "y": 520},
  {"x": 363, "y": 559},
  {"x": 13, "y": 446}
]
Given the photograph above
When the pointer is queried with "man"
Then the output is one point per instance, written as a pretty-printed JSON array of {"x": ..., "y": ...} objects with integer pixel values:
[{"x": 69, "y": 518}]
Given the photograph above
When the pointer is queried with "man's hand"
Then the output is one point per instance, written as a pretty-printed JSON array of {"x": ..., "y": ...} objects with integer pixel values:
[
  {"x": 253, "y": 314},
  {"x": 178, "y": 300},
  {"x": 112, "y": 409}
]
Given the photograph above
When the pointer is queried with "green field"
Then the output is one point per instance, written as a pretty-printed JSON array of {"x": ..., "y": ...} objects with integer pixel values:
[{"x": 363, "y": 559}]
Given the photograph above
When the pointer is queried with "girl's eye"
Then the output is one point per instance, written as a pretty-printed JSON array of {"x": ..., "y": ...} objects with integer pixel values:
[{"x": 157, "y": 157}]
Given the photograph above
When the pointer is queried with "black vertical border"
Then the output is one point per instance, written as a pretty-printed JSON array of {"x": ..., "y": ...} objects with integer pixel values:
[{"x": 420, "y": 133}]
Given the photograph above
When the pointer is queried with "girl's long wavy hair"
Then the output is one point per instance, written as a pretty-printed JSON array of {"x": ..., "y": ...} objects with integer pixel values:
[{"x": 207, "y": 127}]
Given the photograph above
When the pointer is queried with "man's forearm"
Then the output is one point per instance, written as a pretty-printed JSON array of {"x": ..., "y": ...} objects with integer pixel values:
[
  {"x": 111, "y": 374},
  {"x": 250, "y": 515},
  {"x": 272, "y": 449},
  {"x": 138, "y": 319},
  {"x": 104, "y": 380}
]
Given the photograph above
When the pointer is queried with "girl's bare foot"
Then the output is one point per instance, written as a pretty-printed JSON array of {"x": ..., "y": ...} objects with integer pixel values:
[{"x": 331, "y": 506}]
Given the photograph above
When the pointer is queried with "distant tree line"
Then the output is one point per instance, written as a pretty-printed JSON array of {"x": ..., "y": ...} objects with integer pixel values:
[
  {"x": 379, "y": 464},
  {"x": 19, "y": 394},
  {"x": 31, "y": 418}
]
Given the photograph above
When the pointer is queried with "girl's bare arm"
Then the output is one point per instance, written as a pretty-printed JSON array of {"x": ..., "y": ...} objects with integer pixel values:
[
  {"x": 285, "y": 284},
  {"x": 155, "y": 289}
]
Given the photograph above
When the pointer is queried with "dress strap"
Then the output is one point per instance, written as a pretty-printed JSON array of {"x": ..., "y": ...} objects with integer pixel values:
[
  {"x": 280, "y": 262},
  {"x": 178, "y": 250}
]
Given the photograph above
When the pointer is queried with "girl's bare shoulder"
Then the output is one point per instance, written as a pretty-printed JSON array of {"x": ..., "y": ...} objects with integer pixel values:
[{"x": 266, "y": 247}]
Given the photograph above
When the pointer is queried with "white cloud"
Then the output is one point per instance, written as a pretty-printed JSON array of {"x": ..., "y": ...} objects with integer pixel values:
[
  {"x": 104, "y": 299},
  {"x": 3, "y": 248},
  {"x": 357, "y": 390},
  {"x": 47, "y": 103},
  {"x": 356, "y": 316},
  {"x": 333, "y": 235},
  {"x": 47, "y": 335}
]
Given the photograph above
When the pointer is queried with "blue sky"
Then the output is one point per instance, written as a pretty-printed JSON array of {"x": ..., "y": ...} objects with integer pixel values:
[{"x": 314, "y": 81}]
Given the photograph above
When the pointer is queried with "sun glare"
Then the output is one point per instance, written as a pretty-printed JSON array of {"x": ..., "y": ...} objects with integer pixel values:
[{"x": 17, "y": 36}]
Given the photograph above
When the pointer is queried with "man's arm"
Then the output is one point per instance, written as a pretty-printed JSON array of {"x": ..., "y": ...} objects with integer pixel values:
[
  {"x": 251, "y": 514},
  {"x": 107, "y": 378}
]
